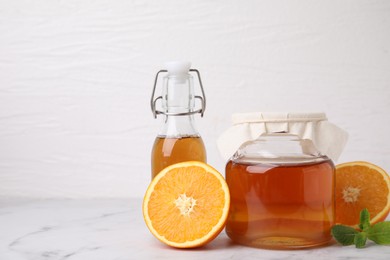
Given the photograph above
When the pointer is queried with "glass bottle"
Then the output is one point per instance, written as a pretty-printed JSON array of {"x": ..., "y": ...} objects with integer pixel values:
[
  {"x": 282, "y": 193},
  {"x": 178, "y": 139}
]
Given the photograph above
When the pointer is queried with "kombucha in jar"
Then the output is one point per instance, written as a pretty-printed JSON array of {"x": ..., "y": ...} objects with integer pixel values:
[
  {"x": 281, "y": 205},
  {"x": 281, "y": 197}
]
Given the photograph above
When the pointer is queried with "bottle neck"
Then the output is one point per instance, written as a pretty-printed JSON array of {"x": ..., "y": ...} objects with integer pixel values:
[
  {"x": 178, "y": 102},
  {"x": 178, "y": 95}
]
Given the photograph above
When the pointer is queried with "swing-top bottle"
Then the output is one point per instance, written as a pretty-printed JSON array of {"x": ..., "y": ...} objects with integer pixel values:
[{"x": 178, "y": 139}]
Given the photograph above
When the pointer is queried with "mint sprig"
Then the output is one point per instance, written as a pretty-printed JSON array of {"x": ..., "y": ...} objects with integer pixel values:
[
  {"x": 379, "y": 232},
  {"x": 364, "y": 220}
]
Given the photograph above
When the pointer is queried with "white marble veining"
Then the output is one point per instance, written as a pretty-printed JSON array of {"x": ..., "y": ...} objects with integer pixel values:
[{"x": 114, "y": 229}]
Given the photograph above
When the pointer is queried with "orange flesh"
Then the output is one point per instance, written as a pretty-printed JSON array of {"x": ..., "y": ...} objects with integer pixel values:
[
  {"x": 187, "y": 204},
  {"x": 360, "y": 186}
]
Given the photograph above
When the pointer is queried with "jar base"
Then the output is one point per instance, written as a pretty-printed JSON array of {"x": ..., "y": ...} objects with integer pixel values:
[{"x": 286, "y": 243}]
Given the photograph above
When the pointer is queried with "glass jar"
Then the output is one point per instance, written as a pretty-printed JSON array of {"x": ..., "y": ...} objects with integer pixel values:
[{"x": 282, "y": 193}]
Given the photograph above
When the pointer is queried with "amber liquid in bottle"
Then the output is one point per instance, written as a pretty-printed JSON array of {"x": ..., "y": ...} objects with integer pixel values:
[
  {"x": 167, "y": 151},
  {"x": 280, "y": 206}
]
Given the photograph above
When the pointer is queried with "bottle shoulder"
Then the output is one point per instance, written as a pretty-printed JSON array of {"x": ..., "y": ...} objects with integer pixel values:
[{"x": 179, "y": 126}]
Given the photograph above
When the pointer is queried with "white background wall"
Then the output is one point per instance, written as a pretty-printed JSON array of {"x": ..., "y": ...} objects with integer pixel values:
[{"x": 76, "y": 79}]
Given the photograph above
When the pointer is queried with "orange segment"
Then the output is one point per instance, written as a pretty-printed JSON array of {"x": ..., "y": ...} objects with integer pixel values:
[
  {"x": 186, "y": 204},
  {"x": 361, "y": 185}
]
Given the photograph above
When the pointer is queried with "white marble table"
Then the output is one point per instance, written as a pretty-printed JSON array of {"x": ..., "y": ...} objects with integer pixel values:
[{"x": 114, "y": 229}]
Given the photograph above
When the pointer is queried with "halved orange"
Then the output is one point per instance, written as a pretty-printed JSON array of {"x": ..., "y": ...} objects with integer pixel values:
[
  {"x": 186, "y": 205},
  {"x": 361, "y": 185}
]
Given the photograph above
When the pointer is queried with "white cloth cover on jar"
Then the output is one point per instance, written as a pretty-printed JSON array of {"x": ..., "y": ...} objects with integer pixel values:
[{"x": 327, "y": 137}]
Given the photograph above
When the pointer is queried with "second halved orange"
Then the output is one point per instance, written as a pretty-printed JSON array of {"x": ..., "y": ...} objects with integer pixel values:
[{"x": 361, "y": 185}]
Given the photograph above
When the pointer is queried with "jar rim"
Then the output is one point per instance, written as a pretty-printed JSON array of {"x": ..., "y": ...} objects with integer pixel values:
[{"x": 266, "y": 117}]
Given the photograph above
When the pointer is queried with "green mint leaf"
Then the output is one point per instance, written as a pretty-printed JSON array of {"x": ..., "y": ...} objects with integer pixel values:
[
  {"x": 364, "y": 220},
  {"x": 360, "y": 239},
  {"x": 380, "y": 233},
  {"x": 344, "y": 235}
]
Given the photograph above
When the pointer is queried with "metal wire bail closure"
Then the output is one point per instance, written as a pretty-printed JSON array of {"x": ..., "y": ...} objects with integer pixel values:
[{"x": 202, "y": 98}]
